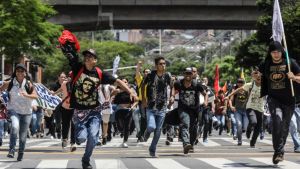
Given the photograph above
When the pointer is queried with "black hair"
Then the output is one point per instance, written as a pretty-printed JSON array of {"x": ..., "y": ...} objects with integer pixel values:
[{"x": 156, "y": 60}]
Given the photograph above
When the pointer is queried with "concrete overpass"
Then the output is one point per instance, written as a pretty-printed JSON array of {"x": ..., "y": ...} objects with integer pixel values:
[{"x": 82, "y": 15}]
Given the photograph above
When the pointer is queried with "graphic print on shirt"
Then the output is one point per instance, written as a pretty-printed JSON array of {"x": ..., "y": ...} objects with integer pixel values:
[
  {"x": 242, "y": 96},
  {"x": 159, "y": 92},
  {"x": 188, "y": 97},
  {"x": 277, "y": 76},
  {"x": 85, "y": 90}
]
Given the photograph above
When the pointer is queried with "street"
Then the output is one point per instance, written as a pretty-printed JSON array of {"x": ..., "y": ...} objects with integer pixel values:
[{"x": 219, "y": 152}]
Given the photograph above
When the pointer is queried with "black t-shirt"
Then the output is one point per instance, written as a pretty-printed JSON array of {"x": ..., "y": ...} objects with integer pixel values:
[
  {"x": 84, "y": 92},
  {"x": 157, "y": 90},
  {"x": 279, "y": 86},
  {"x": 188, "y": 97},
  {"x": 122, "y": 98}
]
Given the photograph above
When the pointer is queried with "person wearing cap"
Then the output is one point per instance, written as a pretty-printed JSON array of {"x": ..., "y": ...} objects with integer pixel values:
[
  {"x": 21, "y": 94},
  {"x": 84, "y": 99},
  {"x": 276, "y": 85},
  {"x": 188, "y": 108},
  {"x": 237, "y": 104}
]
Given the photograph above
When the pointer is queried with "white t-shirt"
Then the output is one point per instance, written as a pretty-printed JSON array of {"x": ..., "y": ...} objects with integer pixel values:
[
  {"x": 17, "y": 102},
  {"x": 104, "y": 97},
  {"x": 255, "y": 102}
]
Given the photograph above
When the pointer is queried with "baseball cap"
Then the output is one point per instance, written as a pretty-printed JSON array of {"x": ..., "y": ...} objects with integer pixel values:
[
  {"x": 90, "y": 51},
  {"x": 21, "y": 66}
]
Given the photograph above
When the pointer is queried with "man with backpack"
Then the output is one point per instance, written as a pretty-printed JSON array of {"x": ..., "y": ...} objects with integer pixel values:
[
  {"x": 254, "y": 106},
  {"x": 281, "y": 102},
  {"x": 156, "y": 102},
  {"x": 86, "y": 80},
  {"x": 188, "y": 108}
]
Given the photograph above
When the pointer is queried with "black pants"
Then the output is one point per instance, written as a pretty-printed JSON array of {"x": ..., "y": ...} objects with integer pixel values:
[
  {"x": 124, "y": 119},
  {"x": 205, "y": 120},
  {"x": 58, "y": 119},
  {"x": 50, "y": 125},
  {"x": 255, "y": 122},
  {"x": 281, "y": 117},
  {"x": 143, "y": 124},
  {"x": 66, "y": 122},
  {"x": 189, "y": 125}
]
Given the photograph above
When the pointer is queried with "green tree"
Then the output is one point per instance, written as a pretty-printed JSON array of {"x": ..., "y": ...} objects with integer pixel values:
[
  {"x": 253, "y": 51},
  {"x": 106, "y": 51},
  {"x": 149, "y": 43},
  {"x": 24, "y": 29},
  {"x": 227, "y": 70}
]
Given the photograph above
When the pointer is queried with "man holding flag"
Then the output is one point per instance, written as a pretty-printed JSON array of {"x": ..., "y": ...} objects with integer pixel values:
[{"x": 277, "y": 75}]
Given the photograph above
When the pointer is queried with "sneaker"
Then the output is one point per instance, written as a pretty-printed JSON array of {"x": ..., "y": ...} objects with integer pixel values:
[
  {"x": 20, "y": 156},
  {"x": 11, "y": 153},
  {"x": 252, "y": 146},
  {"x": 73, "y": 148},
  {"x": 104, "y": 140},
  {"x": 234, "y": 137},
  {"x": 99, "y": 143},
  {"x": 248, "y": 134},
  {"x": 262, "y": 136},
  {"x": 205, "y": 141},
  {"x": 86, "y": 165},
  {"x": 277, "y": 158},
  {"x": 297, "y": 150},
  {"x": 64, "y": 143},
  {"x": 168, "y": 142},
  {"x": 239, "y": 143},
  {"x": 124, "y": 145},
  {"x": 187, "y": 148},
  {"x": 152, "y": 154}
]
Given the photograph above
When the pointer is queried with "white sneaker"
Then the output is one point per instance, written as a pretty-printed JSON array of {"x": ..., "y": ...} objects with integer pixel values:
[{"x": 124, "y": 145}]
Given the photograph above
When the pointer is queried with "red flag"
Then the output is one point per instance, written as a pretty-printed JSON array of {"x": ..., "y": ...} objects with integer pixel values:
[
  {"x": 216, "y": 83},
  {"x": 68, "y": 36}
]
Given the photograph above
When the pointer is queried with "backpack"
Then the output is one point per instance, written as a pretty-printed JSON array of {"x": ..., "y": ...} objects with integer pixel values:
[{"x": 28, "y": 89}]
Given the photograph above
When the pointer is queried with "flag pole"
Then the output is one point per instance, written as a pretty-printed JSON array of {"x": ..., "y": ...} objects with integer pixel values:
[
  {"x": 288, "y": 62},
  {"x": 278, "y": 34}
]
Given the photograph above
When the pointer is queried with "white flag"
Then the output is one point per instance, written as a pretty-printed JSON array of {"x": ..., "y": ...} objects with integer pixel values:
[
  {"x": 277, "y": 24},
  {"x": 116, "y": 65}
]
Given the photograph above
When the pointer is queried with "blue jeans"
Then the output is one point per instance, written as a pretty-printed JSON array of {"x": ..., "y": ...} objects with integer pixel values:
[
  {"x": 19, "y": 124},
  {"x": 87, "y": 129},
  {"x": 221, "y": 122},
  {"x": 233, "y": 122},
  {"x": 242, "y": 122},
  {"x": 36, "y": 121},
  {"x": 295, "y": 127},
  {"x": 1, "y": 128},
  {"x": 155, "y": 119}
]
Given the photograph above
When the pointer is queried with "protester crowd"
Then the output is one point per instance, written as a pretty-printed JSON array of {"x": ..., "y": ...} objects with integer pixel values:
[{"x": 96, "y": 106}]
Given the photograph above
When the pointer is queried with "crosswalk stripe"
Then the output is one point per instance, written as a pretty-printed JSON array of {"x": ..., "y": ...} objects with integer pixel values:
[
  {"x": 210, "y": 143},
  {"x": 45, "y": 144},
  {"x": 283, "y": 164},
  {"x": 17, "y": 143},
  {"x": 222, "y": 163},
  {"x": 265, "y": 141},
  {"x": 5, "y": 164},
  {"x": 53, "y": 164},
  {"x": 235, "y": 141},
  {"x": 110, "y": 164},
  {"x": 165, "y": 163}
]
